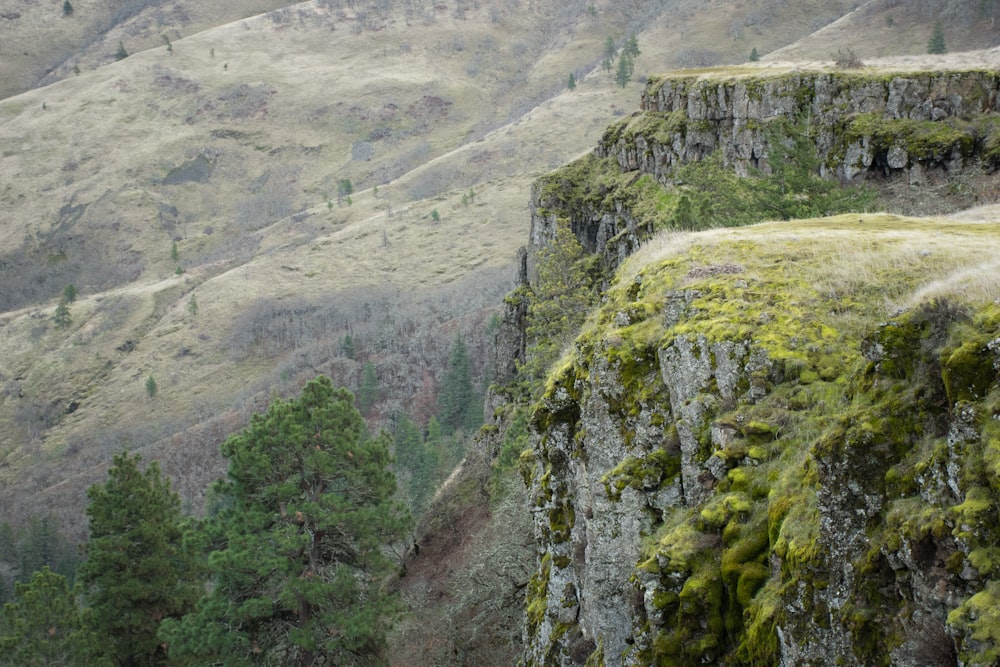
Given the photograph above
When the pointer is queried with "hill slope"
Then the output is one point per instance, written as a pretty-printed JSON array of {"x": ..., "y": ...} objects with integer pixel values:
[{"x": 223, "y": 157}]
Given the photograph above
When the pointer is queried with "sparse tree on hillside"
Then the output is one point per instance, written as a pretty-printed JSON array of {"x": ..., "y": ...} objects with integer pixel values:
[
  {"x": 344, "y": 190},
  {"x": 137, "y": 571},
  {"x": 193, "y": 305},
  {"x": 299, "y": 530},
  {"x": 624, "y": 72},
  {"x": 151, "y": 387},
  {"x": 754, "y": 56},
  {"x": 69, "y": 294},
  {"x": 610, "y": 49},
  {"x": 61, "y": 316},
  {"x": 936, "y": 43},
  {"x": 631, "y": 48},
  {"x": 571, "y": 82},
  {"x": 67, "y": 8},
  {"x": 121, "y": 53}
]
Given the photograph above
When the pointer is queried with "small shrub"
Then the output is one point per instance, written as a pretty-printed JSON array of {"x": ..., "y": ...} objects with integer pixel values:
[{"x": 848, "y": 59}]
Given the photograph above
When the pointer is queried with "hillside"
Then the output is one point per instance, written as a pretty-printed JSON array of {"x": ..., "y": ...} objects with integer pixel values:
[
  {"x": 335, "y": 185},
  {"x": 227, "y": 152}
]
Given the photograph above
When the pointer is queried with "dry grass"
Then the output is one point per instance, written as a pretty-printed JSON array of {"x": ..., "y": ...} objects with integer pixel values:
[
  {"x": 905, "y": 261},
  {"x": 426, "y": 108}
]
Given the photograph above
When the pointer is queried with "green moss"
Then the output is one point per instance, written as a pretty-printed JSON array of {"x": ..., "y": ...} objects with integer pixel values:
[
  {"x": 537, "y": 594},
  {"x": 922, "y": 140},
  {"x": 562, "y": 518},
  {"x": 979, "y": 619},
  {"x": 646, "y": 473},
  {"x": 968, "y": 371}
]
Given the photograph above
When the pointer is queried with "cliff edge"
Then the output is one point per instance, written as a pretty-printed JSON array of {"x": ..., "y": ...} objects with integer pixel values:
[{"x": 780, "y": 443}]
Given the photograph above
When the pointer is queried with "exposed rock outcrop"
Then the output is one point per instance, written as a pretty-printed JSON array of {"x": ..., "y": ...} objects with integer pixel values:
[
  {"x": 749, "y": 457},
  {"x": 861, "y": 123}
]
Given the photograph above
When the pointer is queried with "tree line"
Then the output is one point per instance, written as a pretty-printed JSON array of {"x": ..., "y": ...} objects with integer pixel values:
[{"x": 288, "y": 565}]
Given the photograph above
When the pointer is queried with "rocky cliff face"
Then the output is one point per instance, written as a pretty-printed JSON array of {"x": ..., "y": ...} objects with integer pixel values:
[
  {"x": 862, "y": 124},
  {"x": 778, "y": 444}
]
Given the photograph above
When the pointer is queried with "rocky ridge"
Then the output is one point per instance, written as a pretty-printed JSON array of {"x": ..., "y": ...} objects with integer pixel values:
[{"x": 777, "y": 444}]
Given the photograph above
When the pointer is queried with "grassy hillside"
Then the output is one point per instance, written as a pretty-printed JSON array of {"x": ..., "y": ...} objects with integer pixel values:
[
  {"x": 190, "y": 195},
  {"x": 222, "y": 156}
]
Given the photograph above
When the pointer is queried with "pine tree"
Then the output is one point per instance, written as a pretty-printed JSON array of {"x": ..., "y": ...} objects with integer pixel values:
[
  {"x": 67, "y": 8},
  {"x": 368, "y": 389},
  {"x": 571, "y": 82},
  {"x": 456, "y": 388},
  {"x": 347, "y": 346},
  {"x": 61, "y": 316},
  {"x": 754, "y": 55},
  {"x": 121, "y": 53},
  {"x": 936, "y": 43},
  {"x": 137, "y": 572},
  {"x": 631, "y": 48},
  {"x": 610, "y": 49},
  {"x": 414, "y": 461},
  {"x": 299, "y": 531},
  {"x": 151, "y": 387},
  {"x": 624, "y": 72},
  {"x": 42, "y": 626}
]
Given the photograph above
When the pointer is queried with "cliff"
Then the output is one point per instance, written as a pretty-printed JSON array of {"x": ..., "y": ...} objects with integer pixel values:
[
  {"x": 778, "y": 444},
  {"x": 862, "y": 123}
]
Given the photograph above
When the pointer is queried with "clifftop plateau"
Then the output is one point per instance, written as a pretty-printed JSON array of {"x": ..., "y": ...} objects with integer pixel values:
[{"x": 773, "y": 444}]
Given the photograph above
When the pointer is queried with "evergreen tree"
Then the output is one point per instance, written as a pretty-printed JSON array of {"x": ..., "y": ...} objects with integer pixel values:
[
  {"x": 571, "y": 82},
  {"x": 61, "y": 316},
  {"x": 42, "y": 626},
  {"x": 137, "y": 572},
  {"x": 347, "y": 346},
  {"x": 415, "y": 461},
  {"x": 121, "y": 53},
  {"x": 39, "y": 545},
  {"x": 631, "y": 48},
  {"x": 624, "y": 72},
  {"x": 344, "y": 190},
  {"x": 151, "y": 387},
  {"x": 368, "y": 389},
  {"x": 610, "y": 49},
  {"x": 67, "y": 8},
  {"x": 936, "y": 43},
  {"x": 456, "y": 389},
  {"x": 193, "y": 305},
  {"x": 754, "y": 55},
  {"x": 69, "y": 293},
  {"x": 299, "y": 534}
]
